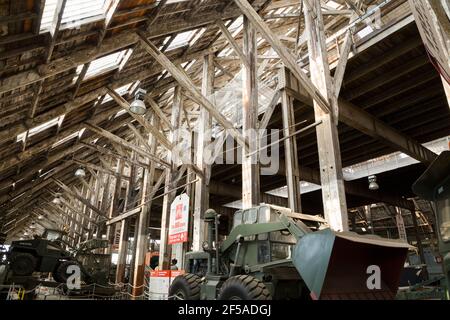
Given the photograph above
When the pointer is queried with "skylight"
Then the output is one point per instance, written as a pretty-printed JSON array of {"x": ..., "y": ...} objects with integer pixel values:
[
  {"x": 121, "y": 112},
  {"x": 187, "y": 65},
  {"x": 333, "y": 4},
  {"x": 106, "y": 63},
  {"x": 197, "y": 36},
  {"x": 39, "y": 128},
  {"x": 68, "y": 138},
  {"x": 236, "y": 26},
  {"x": 121, "y": 91},
  {"x": 181, "y": 40},
  {"x": 76, "y": 13}
]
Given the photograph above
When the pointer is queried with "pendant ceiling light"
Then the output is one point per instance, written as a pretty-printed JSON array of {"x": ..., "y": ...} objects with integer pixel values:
[
  {"x": 138, "y": 105},
  {"x": 373, "y": 185},
  {"x": 80, "y": 173}
]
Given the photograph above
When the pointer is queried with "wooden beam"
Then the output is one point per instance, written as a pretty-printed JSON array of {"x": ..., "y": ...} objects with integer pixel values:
[
  {"x": 201, "y": 200},
  {"x": 101, "y": 169},
  {"x": 78, "y": 102},
  {"x": 156, "y": 13},
  {"x": 342, "y": 64},
  {"x": 111, "y": 44},
  {"x": 357, "y": 118},
  {"x": 113, "y": 204},
  {"x": 269, "y": 110},
  {"x": 223, "y": 70},
  {"x": 54, "y": 29},
  {"x": 149, "y": 128},
  {"x": 124, "y": 143},
  {"x": 332, "y": 180},
  {"x": 363, "y": 121},
  {"x": 446, "y": 90},
  {"x": 290, "y": 148},
  {"x": 232, "y": 42},
  {"x": 108, "y": 152},
  {"x": 79, "y": 197},
  {"x": 138, "y": 136},
  {"x": 71, "y": 208},
  {"x": 170, "y": 183},
  {"x": 18, "y": 17},
  {"x": 159, "y": 112},
  {"x": 138, "y": 209},
  {"x": 142, "y": 121},
  {"x": 189, "y": 86},
  {"x": 287, "y": 58},
  {"x": 250, "y": 159},
  {"x": 142, "y": 223}
]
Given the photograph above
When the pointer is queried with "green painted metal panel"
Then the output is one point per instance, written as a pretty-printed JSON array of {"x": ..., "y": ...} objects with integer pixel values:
[{"x": 311, "y": 257}]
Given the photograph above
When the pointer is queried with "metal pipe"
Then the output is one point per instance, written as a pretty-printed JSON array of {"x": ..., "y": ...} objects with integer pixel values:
[
  {"x": 210, "y": 240},
  {"x": 216, "y": 227}
]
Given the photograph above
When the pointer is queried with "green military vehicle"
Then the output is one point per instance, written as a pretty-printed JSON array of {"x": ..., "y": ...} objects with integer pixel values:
[
  {"x": 48, "y": 254},
  {"x": 434, "y": 186},
  {"x": 42, "y": 254},
  {"x": 274, "y": 253}
]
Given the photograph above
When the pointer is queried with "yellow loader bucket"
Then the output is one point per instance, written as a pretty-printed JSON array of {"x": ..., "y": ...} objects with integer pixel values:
[{"x": 344, "y": 265}]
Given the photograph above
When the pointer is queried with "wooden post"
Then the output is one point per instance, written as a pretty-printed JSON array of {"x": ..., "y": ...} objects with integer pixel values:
[
  {"x": 124, "y": 228},
  {"x": 332, "y": 181},
  {"x": 86, "y": 192},
  {"x": 129, "y": 203},
  {"x": 141, "y": 230},
  {"x": 69, "y": 220},
  {"x": 250, "y": 166},
  {"x": 123, "y": 251},
  {"x": 94, "y": 199},
  {"x": 446, "y": 90},
  {"x": 290, "y": 146},
  {"x": 164, "y": 250},
  {"x": 201, "y": 201}
]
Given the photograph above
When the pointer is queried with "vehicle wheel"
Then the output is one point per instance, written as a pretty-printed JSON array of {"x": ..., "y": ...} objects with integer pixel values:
[
  {"x": 60, "y": 274},
  {"x": 23, "y": 264},
  {"x": 185, "y": 287},
  {"x": 244, "y": 287},
  {"x": 55, "y": 274}
]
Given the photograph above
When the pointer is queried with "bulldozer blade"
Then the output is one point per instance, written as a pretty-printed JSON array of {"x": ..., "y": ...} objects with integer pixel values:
[{"x": 344, "y": 265}]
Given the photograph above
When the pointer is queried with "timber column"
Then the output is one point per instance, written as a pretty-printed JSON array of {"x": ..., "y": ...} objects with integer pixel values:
[
  {"x": 332, "y": 180},
  {"x": 170, "y": 183},
  {"x": 250, "y": 165},
  {"x": 290, "y": 145},
  {"x": 142, "y": 224},
  {"x": 124, "y": 232},
  {"x": 201, "y": 201}
]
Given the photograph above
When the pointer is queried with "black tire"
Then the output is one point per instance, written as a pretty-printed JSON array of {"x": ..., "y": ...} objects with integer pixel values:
[
  {"x": 55, "y": 274},
  {"x": 23, "y": 264},
  {"x": 244, "y": 287},
  {"x": 185, "y": 287},
  {"x": 60, "y": 274}
]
